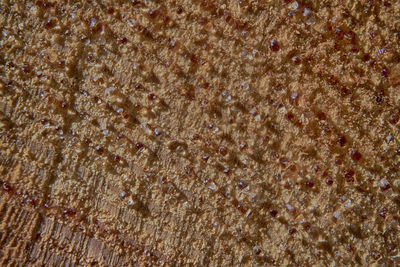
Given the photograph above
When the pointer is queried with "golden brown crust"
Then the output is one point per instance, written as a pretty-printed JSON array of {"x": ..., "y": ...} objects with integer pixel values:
[{"x": 199, "y": 133}]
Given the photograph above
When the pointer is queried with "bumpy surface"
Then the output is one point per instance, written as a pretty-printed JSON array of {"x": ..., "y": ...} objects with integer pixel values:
[{"x": 207, "y": 133}]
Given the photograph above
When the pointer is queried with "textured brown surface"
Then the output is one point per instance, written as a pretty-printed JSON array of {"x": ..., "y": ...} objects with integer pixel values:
[{"x": 199, "y": 132}]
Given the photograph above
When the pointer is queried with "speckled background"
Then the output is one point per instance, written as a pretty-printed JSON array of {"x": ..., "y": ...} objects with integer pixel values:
[{"x": 203, "y": 133}]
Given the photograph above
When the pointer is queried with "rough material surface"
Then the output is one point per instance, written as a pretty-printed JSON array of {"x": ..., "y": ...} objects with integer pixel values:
[{"x": 204, "y": 133}]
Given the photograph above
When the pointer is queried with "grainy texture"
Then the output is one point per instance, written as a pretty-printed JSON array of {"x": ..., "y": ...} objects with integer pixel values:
[{"x": 204, "y": 133}]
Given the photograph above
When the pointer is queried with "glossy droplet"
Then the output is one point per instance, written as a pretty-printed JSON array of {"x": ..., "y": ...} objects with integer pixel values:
[
  {"x": 292, "y": 231},
  {"x": 384, "y": 185},
  {"x": 342, "y": 140},
  {"x": 223, "y": 150},
  {"x": 242, "y": 184},
  {"x": 273, "y": 213},
  {"x": 329, "y": 181},
  {"x": 274, "y": 46}
]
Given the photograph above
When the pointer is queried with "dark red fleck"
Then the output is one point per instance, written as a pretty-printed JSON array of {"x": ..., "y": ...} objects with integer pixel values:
[
  {"x": 290, "y": 116},
  {"x": 223, "y": 150},
  {"x": 321, "y": 116},
  {"x": 296, "y": 60},
  {"x": 341, "y": 140},
  {"x": 355, "y": 155},
  {"x": 139, "y": 145},
  {"x": 310, "y": 184},
  {"x": 274, "y": 46},
  {"x": 273, "y": 213},
  {"x": 99, "y": 149},
  {"x": 385, "y": 186},
  {"x": 50, "y": 23},
  {"x": 69, "y": 212},
  {"x": 329, "y": 181},
  {"x": 344, "y": 92},
  {"x": 385, "y": 72},
  {"x": 205, "y": 157},
  {"x": 394, "y": 118},
  {"x": 292, "y": 231},
  {"x": 153, "y": 13},
  {"x": 242, "y": 184},
  {"x": 124, "y": 40},
  {"x": 135, "y": 2},
  {"x": 110, "y": 10},
  {"x": 227, "y": 171},
  {"x": 242, "y": 145},
  {"x": 151, "y": 96},
  {"x": 179, "y": 10}
]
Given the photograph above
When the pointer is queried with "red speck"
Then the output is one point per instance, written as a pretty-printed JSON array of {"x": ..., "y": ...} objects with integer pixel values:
[
  {"x": 223, "y": 150},
  {"x": 329, "y": 181},
  {"x": 273, "y": 213},
  {"x": 153, "y": 13},
  {"x": 179, "y": 10},
  {"x": 139, "y": 145},
  {"x": 195, "y": 137},
  {"x": 87, "y": 141},
  {"x": 342, "y": 140},
  {"x": 292, "y": 231},
  {"x": 321, "y": 116},
  {"x": 138, "y": 86},
  {"x": 307, "y": 226},
  {"x": 274, "y": 46},
  {"x": 394, "y": 118},
  {"x": 99, "y": 149},
  {"x": 227, "y": 171},
  {"x": 69, "y": 212},
  {"x": 384, "y": 185},
  {"x": 242, "y": 145},
  {"x": 385, "y": 72},
  {"x": 205, "y": 157},
  {"x": 64, "y": 105},
  {"x": 310, "y": 184},
  {"x": 117, "y": 158},
  {"x": 344, "y": 92},
  {"x": 135, "y": 2},
  {"x": 355, "y": 155},
  {"x": 50, "y": 23},
  {"x": 166, "y": 19},
  {"x": 124, "y": 40},
  {"x": 387, "y": 4},
  {"x": 290, "y": 116},
  {"x": 151, "y": 96},
  {"x": 110, "y": 10},
  {"x": 242, "y": 184},
  {"x": 349, "y": 176},
  {"x": 366, "y": 57},
  {"x": 296, "y": 60}
]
